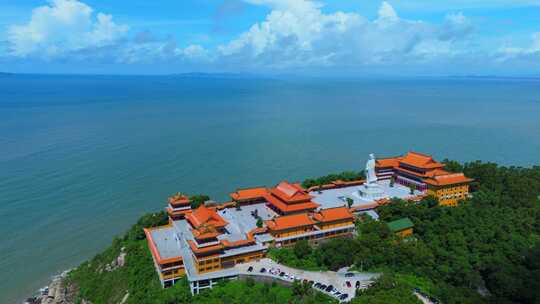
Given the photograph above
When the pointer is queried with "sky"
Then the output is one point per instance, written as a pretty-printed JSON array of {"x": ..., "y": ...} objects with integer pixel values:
[{"x": 324, "y": 37}]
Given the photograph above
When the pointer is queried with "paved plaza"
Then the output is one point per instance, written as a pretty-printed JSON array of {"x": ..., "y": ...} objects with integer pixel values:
[{"x": 338, "y": 197}]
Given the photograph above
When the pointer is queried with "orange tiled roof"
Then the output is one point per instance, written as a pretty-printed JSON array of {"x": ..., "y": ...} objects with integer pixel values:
[
  {"x": 285, "y": 208},
  {"x": 365, "y": 207},
  {"x": 436, "y": 172},
  {"x": 225, "y": 205},
  {"x": 355, "y": 182},
  {"x": 207, "y": 249},
  {"x": 333, "y": 214},
  {"x": 290, "y": 192},
  {"x": 420, "y": 160},
  {"x": 203, "y": 215},
  {"x": 205, "y": 232},
  {"x": 179, "y": 200},
  {"x": 420, "y": 174},
  {"x": 257, "y": 231},
  {"x": 228, "y": 244},
  {"x": 388, "y": 162},
  {"x": 336, "y": 184},
  {"x": 448, "y": 179},
  {"x": 249, "y": 194},
  {"x": 289, "y": 221}
]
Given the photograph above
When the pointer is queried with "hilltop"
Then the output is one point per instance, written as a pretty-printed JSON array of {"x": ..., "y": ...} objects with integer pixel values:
[{"x": 485, "y": 250}]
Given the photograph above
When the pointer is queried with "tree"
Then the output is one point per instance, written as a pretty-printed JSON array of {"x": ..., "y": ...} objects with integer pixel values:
[
  {"x": 302, "y": 249},
  {"x": 412, "y": 188},
  {"x": 259, "y": 222},
  {"x": 350, "y": 202},
  {"x": 197, "y": 200}
]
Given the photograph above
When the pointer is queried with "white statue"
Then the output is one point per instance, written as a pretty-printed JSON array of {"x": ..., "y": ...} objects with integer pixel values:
[
  {"x": 371, "y": 177},
  {"x": 371, "y": 190}
]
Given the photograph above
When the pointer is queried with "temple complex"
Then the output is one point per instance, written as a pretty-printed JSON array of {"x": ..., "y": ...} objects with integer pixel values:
[{"x": 205, "y": 244}]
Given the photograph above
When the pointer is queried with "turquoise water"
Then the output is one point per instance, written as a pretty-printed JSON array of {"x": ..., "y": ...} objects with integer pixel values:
[{"x": 82, "y": 157}]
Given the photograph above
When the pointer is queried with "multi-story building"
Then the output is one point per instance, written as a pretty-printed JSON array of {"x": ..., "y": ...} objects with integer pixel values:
[
  {"x": 423, "y": 173},
  {"x": 179, "y": 205},
  {"x": 449, "y": 189},
  {"x": 206, "y": 243}
]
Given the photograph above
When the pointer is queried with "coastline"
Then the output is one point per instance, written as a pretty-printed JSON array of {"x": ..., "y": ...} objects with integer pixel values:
[{"x": 56, "y": 292}]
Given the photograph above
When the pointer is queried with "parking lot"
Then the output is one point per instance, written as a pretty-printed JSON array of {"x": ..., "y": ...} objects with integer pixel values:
[{"x": 341, "y": 285}]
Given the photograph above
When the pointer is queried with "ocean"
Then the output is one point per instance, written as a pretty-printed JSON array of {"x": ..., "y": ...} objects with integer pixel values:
[{"x": 82, "y": 157}]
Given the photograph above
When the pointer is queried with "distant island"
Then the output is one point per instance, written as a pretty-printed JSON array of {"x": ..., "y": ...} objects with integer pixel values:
[{"x": 406, "y": 229}]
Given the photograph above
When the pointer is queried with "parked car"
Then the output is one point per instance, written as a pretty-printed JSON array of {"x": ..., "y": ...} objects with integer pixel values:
[
  {"x": 349, "y": 275},
  {"x": 329, "y": 288},
  {"x": 281, "y": 274},
  {"x": 317, "y": 285},
  {"x": 357, "y": 284},
  {"x": 263, "y": 270},
  {"x": 322, "y": 287},
  {"x": 311, "y": 283},
  {"x": 343, "y": 296},
  {"x": 348, "y": 284},
  {"x": 250, "y": 268},
  {"x": 337, "y": 294}
]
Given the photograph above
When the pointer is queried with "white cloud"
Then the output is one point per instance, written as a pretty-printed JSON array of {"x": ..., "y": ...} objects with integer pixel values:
[
  {"x": 63, "y": 26},
  {"x": 297, "y": 33},
  {"x": 513, "y": 53},
  {"x": 387, "y": 12}
]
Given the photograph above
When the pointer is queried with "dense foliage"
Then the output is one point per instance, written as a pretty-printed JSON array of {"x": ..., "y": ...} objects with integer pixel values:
[
  {"x": 344, "y": 176},
  {"x": 387, "y": 290},
  {"x": 197, "y": 200},
  {"x": 240, "y": 292},
  {"x": 138, "y": 277}
]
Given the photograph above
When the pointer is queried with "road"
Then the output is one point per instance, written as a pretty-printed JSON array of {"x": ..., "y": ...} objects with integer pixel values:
[{"x": 337, "y": 279}]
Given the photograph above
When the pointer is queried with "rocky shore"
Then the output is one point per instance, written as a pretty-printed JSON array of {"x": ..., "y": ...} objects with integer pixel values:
[{"x": 57, "y": 292}]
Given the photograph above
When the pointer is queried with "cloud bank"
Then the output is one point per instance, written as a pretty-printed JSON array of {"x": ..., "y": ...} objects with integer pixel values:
[
  {"x": 298, "y": 33},
  {"x": 295, "y": 34}
]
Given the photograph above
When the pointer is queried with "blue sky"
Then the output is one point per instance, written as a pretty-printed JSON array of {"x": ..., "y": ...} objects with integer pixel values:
[{"x": 338, "y": 37}]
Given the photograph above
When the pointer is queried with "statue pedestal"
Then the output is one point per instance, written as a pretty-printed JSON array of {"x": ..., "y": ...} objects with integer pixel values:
[{"x": 370, "y": 192}]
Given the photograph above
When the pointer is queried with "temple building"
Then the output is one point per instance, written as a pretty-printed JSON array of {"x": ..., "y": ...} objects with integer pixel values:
[
  {"x": 423, "y": 173},
  {"x": 288, "y": 198},
  {"x": 249, "y": 196},
  {"x": 179, "y": 205},
  {"x": 449, "y": 189}
]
